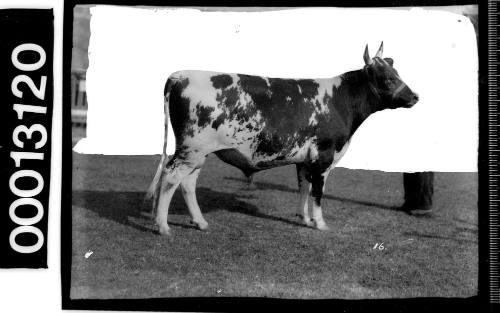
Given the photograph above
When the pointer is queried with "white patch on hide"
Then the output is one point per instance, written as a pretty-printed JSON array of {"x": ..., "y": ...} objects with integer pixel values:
[
  {"x": 337, "y": 80},
  {"x": 313, "y": 120},
  {"x": 243, "y": 100},
  {"x": 264, "y": 157},
  {"x": 325, "y": 87},
  {"x": 300, "y": 153},
  {"x": 231, "y": 134},
  {"x": 204, "y": 140},
  {"x": 235, "y": 78},
  {"x": 312, "y": 152},
  {"x": 267, "y": 80},
  {"x": 200, "y": 88}
]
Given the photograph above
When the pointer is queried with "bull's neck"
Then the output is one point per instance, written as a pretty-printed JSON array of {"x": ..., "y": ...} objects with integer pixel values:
[{"x": 354, "y": 92}]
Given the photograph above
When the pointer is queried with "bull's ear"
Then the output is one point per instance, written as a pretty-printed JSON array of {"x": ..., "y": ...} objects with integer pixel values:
[
  {"x": 390, "y": 61},
  {"x": 380, "y": 50},
  {"x": 366, "y": 56}
]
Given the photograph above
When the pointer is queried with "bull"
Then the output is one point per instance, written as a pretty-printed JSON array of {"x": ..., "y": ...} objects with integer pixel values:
[{"x": 256, "y": 123}]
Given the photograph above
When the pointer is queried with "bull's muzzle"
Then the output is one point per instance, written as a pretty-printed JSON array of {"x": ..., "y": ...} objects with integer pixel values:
[{"x": 413, "y": 100}]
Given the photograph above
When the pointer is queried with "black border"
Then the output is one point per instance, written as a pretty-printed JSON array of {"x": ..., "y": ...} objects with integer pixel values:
[
  {"x": 483, "y": 168},
  {"x": 25, "y": 25},
  {"x": 479, "y": 303}
]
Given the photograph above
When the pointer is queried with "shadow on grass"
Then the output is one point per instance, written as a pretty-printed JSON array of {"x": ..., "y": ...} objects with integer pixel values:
[
  {"x": 457, "y": 235},
  {"x": 285, "y": 188},
  {"x": 120, "y": 206}
]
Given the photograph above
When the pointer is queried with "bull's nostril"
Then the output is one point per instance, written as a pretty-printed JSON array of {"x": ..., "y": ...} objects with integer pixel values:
[{"x": 415, "y": 97}]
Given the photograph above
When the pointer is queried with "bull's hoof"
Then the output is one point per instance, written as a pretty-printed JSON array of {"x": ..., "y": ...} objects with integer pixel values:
[
  {"x": 201, "y": 225},
  {"x": 321, "y": 225},
  {"x": 164, "y": 231},
  {"x": 306, "y": 220}
]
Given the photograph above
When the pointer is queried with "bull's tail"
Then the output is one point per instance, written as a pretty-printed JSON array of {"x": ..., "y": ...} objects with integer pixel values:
[{"x": 154, "y": 188}]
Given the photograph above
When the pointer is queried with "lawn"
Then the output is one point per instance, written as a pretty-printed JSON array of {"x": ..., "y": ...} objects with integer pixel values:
[{"x": 256, "y": 247}]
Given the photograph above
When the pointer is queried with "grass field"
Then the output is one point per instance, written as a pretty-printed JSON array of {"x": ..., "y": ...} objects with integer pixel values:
[{"x": 256, "y": 247}]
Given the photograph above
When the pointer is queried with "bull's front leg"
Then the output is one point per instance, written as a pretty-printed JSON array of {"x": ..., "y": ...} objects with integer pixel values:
[
  {"x": 318, "y": 187},
  {"x": 304, "y": 190},
  {"x": 319, "y": 173}
]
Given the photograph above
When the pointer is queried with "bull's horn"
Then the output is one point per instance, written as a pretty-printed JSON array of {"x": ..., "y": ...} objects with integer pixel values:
[
  {"x": 366, "y": 56},
  {"x": 380, "y": 50}
]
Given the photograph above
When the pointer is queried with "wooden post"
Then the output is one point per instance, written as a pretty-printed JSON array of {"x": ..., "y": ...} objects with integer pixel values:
[{"x": 419, "y": 189}]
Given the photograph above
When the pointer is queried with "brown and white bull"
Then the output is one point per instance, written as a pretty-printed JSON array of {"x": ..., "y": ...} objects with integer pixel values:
[{"x": 256, "y": 123}]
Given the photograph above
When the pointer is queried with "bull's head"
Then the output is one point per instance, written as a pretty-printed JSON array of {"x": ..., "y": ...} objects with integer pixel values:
[{"x": 385, "y": 83}]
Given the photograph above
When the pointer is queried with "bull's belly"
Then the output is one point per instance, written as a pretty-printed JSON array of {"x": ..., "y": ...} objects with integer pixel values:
[
  {"x": 250, "y": 164},
  {"x": 237, "y": 145},
  {"x": 240, "y": 150},
  {"x": 244, "y": 155}
]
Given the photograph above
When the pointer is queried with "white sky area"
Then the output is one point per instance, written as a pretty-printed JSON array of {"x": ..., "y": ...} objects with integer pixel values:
[{"x": 132, "y": 51}]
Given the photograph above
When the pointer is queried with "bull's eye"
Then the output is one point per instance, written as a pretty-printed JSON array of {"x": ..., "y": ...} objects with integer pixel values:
[{"x": 390, "y": 83}]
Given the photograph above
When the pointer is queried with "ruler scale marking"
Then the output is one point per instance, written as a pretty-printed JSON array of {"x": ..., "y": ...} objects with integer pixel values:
[{"x": 493, "y": 148}]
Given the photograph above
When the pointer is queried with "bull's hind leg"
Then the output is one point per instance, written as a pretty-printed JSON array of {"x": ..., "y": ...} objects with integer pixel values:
[
  {"x": 188, "y": 186},
  {"x": 304, "y": 190},
  {"x": 173, "y": 174}
]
